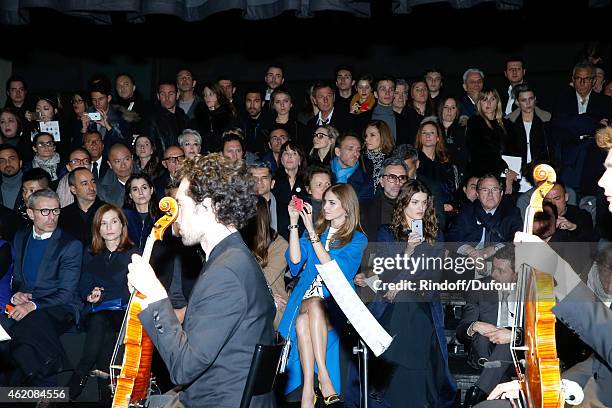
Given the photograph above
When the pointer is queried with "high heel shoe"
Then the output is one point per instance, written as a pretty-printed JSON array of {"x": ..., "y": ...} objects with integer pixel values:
[
  {"x": 76, "y": 385},
  {"x": 333, "y": 400}
]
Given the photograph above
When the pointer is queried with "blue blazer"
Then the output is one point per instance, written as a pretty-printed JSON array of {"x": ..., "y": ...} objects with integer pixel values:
[
  {"x": 58, "y": 274},
  {"x": 348, "y": 258}
]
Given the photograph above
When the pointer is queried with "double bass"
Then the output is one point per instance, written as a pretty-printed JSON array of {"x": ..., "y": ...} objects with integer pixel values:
[
  {"x": 130, "y": 371},
  {"x": 538, "y": 373}
]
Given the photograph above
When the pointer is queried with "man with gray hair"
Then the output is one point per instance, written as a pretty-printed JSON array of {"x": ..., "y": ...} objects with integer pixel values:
[
  {"x": 473, "y": 82},
  {"x": 380, "y": 210},
  {"x": 45, "y": 299}
]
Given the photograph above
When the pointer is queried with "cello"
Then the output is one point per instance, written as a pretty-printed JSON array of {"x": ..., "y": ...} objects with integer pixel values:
[
  {"x": 538, "y": 373},
  {"x": 130, "y": 372}
]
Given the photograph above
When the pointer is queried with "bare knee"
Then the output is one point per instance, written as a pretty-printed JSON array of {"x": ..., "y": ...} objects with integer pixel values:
[
  {"x": 316, "y": 310},
  {"x": 302, "y": 325}
]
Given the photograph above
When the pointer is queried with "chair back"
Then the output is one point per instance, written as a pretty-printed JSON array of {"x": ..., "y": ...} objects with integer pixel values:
[{"x": 262, "y": 373}]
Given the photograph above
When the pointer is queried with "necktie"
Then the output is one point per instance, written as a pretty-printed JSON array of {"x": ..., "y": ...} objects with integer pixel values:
[
  {"x": 488, "y": 220},
  {"x": 503, "y": 309},
  {"x": 324, "y": 121},
  {"x": 94, "y": 169}
]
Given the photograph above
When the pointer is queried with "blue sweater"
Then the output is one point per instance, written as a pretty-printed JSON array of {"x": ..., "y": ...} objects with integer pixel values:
[{"x": 35, "y": 251}]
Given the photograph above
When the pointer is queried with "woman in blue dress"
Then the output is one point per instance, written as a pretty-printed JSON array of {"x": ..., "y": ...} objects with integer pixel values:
[
  {"x": 416, "y": 368},
  {"x": 307, "y": 321}
]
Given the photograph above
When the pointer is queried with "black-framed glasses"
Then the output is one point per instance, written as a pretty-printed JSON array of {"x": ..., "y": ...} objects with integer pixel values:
[
  {"x": 175, "y": 159},
  {"x": 46, "y": 211},
  {"x": 321, "y": 135},
  {"x": 45, "y": 144},
  {"x": 394, "y": 178},
  {"x": 583, "y": 79}
]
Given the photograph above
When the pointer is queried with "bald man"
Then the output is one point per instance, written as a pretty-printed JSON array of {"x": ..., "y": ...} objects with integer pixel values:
[{"x": 111, "y": 188}]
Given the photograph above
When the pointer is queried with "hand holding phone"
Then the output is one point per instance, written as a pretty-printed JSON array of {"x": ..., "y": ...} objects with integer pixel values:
[
  {"x": 94, "y": 116},
  {"x": 417, "y": 227},
  {"x": 298, "y": 203},
  {"x": 8, "y": 308}
]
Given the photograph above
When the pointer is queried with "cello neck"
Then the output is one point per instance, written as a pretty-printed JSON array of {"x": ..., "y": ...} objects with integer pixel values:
[{"x": 148, "y": 249}]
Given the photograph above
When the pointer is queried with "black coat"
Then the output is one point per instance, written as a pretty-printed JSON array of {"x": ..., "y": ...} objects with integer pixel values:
[
  {"x": 77, "y": 223},
  {"x": 472, "y": 218},
  {"x": 165, "y": 127},
  {"x": 487, "y": 144},
  {"x": 342, "y": 121},
  {"x": 599, "y": 107},
  {"x": 211, "y": 125},
  {"x": 540, "y": 146}
]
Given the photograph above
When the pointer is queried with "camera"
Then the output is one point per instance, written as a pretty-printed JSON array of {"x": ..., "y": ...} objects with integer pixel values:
[{"x": 94, "y": 116}]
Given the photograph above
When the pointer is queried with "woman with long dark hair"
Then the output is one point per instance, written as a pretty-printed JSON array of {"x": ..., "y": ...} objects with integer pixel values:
[
  {"x": 289, "y": 181},
  {"x": 140, "y": 207},
  {"x": 213, "y": 116},
  {"x": 11, "y": 132},
  {"x": 307, "y": 320},
  {"x": 269, "y": 249},
  {"x": 453, "y": 132},
  {"x": 378, "y": 146},
  {"x": 434, "y": 160},
  {"x": 104, "y": 290},
  {"x": 146, "y": 158},
  {"x": 282, "y": 114},
  {"x": 417, "y": 358}
]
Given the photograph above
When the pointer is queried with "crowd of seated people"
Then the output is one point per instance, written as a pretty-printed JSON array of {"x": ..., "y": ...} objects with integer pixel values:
[{"x": 372, "y": 156}]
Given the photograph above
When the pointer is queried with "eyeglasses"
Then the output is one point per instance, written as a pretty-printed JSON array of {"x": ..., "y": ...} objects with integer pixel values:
[
  {"x": 77, "y": 101},
  {"x": 174, "y": 159},
  {"x": 80, "y": 161},
  {"x": 583, "y": 79},
  {"x": 393, "y": 178},
  {"x": 321, "y": 135},
  {"x": 46, "y": 211},
  {"x": 489, "y": 190},
  {"x": 45, "y": 144}
]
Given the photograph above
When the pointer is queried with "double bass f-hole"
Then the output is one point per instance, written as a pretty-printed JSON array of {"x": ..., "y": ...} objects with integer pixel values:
[{"x": 130, "y": 371}]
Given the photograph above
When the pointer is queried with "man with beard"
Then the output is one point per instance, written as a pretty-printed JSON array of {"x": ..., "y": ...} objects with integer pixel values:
[{"x": 216, "y": 197}]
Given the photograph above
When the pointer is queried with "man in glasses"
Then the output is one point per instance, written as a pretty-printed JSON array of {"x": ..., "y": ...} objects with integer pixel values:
[
  {"x": 172, "y": 161},
  {"x": 482, "y": 226},
  {"x": 380, "y": 209},
  {"x": 79, "y": 158},
  {"x": 44, "y": 293}
]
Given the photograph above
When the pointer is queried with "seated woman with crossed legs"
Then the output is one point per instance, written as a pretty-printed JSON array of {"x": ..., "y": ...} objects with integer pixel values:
[{"x": 335, "y": 236}]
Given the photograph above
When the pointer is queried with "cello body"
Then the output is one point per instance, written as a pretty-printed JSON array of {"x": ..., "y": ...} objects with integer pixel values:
[{"x": 132, "y": 384}]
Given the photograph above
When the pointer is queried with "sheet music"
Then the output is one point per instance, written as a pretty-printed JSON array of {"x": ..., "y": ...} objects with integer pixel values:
[
  {"x": 372, "y": 333},
  {"x": 514, "y": 163},
  {"x": 4, "y": 336}
]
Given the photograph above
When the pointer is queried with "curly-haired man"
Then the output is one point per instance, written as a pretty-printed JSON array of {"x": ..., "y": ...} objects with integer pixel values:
[{"x": 230, "y": 309}]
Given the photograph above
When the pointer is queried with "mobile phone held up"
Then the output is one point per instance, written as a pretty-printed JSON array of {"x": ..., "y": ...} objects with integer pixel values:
[
  {"x": 298, "y": 203},
  {"x": 94, "y": 116},
  {"x": 417, "y": 226},
  {"x": 8, "y": 308}
]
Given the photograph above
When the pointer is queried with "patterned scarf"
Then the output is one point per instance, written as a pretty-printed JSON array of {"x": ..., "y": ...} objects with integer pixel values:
[
  {"x": 377, "y": 157},
  {"x": 49, "y": 165}
]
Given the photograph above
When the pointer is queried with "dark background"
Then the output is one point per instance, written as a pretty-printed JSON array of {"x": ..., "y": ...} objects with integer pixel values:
[{"x": 58, "y": 52}]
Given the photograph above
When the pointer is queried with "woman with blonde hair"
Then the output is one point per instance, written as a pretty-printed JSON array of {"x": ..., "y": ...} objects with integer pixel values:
[
  {"x": 487, "y": 138},
  {"x": 308, "y": 320},
  {"x": 323, "y": 144}
]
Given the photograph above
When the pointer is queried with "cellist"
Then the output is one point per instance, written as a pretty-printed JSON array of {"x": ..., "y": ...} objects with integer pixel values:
[
  {"x": 577, "y": 306},
  {"x": 230, "y": 309}
]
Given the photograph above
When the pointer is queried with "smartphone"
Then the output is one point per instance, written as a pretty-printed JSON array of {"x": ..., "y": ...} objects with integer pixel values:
[
  {"x": 298, "y": 203},
  {"x": 417, "y": 226},
  {"x": 8, "y": 308},
  {"x": 94, "y": 116},
  {"x": 36, "y": 116}
]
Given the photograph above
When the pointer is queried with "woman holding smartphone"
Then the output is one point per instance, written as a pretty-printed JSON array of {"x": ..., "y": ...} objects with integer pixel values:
[
  {"x": 416, "y": 364},
  {"x": 308, "y": 321}
]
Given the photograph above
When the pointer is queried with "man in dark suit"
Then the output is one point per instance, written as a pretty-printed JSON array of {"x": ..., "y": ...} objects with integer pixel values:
[
  {"x": 325, "y": 97},
  {"x": 230, "y": 309},
  {"x": 487, "y": 222},
  {"x": 573, "y": 224},
  {"x": 111, "y": 188},
  {"x": 168, "y": 120},
  {"x": 45, "y": 298},
  {"x": 77, "y": 218},
  {"x": 92, "y": 142},
  {"x": 483, "y": 326},
  {"x": 473, "y": 82}
]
